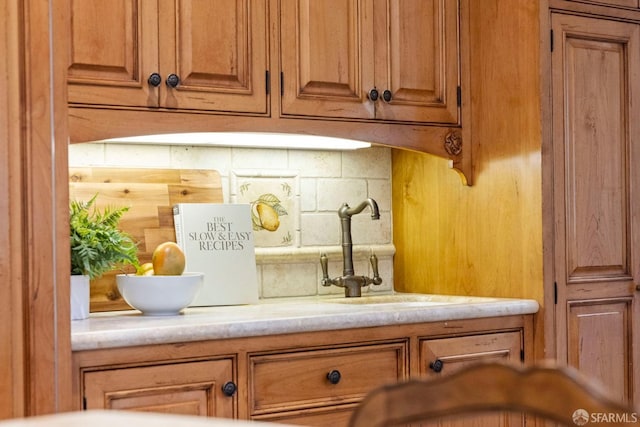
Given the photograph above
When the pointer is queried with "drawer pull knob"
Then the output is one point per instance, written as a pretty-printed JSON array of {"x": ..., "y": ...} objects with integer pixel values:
[
  {"x": 173, "y": 80},
  {"x": 436, "y": 365},
  {"x": 154, "y": 79},
  {"x": 374, "y": 94},
  {"x": 229, "y": 388},
  {"x": 334, "y": 376}
]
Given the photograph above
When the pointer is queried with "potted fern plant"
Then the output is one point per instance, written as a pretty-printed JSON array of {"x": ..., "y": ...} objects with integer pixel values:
[{"x": 97, "y": 246}]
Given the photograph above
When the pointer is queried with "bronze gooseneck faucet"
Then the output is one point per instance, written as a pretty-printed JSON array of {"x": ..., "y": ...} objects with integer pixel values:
[{"x": 351, "y": 283}]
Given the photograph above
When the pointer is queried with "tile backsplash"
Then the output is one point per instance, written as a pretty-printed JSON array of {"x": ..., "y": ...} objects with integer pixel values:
[{"x": 316, "y": 183}]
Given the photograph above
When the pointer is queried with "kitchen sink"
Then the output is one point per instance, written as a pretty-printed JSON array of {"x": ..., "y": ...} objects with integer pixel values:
[{"x": 407, "y": 299}]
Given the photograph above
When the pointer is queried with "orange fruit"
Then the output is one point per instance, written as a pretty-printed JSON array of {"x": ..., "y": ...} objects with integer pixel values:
[{"x": 168, "y": 260}]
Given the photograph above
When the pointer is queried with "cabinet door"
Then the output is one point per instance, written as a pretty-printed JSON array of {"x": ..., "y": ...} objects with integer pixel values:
[
  {"x": 326, "y": 50},
  {"x": 183, "y": 388},
  {"x": 417, "y": 60},
  {"x": 596, "y": 150},
  {"x": 443, "y": 356},
  {"x": 218, "y": 49},
  {"x": 113, "y": 49}
]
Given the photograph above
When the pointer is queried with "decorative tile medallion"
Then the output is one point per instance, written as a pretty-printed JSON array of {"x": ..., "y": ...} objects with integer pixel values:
[{"x": 274, "y": 197}]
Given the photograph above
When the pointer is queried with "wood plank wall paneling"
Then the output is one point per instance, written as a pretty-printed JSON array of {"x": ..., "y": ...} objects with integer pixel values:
[{"x": 485, "y": 239}]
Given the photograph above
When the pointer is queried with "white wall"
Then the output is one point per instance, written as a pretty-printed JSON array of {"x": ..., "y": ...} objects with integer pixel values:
[{"x": 326, "y": 180}]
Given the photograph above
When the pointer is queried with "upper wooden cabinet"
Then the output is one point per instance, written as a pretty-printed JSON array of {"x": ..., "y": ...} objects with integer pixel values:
[
  {"x": 128, "y": 53},
  {"x": 280, "y": 66},
  {"x": 372, "y": 59}
]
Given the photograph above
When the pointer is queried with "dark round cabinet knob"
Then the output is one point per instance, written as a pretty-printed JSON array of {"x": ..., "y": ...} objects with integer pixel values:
[
  {"x": 374, "y": 94},
  {"x": 436, "y": 365},
  {"x": 229, "y": 388},
  {"x": 154, "y": 79},
  {"x": 334, "y": 376},
  {"x": 173, "y": 80},
  {"x": 386, "y": 95}
]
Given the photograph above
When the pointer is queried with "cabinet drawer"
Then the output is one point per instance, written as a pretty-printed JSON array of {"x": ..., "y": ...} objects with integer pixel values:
[
  {"x": 447, "y": 355},
  {"x": 297, "y": 380}
]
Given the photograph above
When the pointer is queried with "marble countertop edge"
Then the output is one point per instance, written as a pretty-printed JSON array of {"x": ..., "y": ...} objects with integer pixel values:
[{"x": 131, "y": 328}]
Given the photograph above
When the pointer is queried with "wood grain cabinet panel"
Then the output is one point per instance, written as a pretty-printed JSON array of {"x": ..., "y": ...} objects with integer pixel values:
[
  {"x": 217, "y": 51},
  {"x": 596, "y": 145},
  {"x": 444, "y": 356},
  {"x": 599, "y": 342},
  {"x": 113, "y": 49},
  {"x": 458, "y": 352},
  {"x": 327, "y": 58},
  {"x": 417, "y": 60},
  {"x": 182, "y": 388},
  {"x": 336, "y": 53},
  {"x": 301, "y": 380}
]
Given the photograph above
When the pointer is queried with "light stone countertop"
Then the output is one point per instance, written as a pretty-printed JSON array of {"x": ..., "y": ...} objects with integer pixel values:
[{"x": 286, "y": 315}]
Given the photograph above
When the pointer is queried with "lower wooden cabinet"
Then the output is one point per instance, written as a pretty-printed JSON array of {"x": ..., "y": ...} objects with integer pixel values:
[
  {"x": 441, "y": 356},
  {"x": 300, "y": 381},
  {"x": 444, "y": 356},
  {"x": 314, "y": 379},
  {"x": 196, "y": 388}
]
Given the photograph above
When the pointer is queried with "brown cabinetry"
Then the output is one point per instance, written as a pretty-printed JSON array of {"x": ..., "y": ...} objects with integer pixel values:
[
  {"x": 375, "y": 59},
  {"x": 596, "y": 200},
  {"x": 444, "y": 356},
  {"x": 196, "y": 388},
  {"x": 291, "y": 66},
  {"x": 178, "y": 54},
  {"x": 314, "y": 378},
  {"x": 287, "y": 386}
]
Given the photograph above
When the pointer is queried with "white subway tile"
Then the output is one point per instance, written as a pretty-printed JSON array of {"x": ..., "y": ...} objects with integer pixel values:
[
  {"x": 380, "y": 190},
  {"x": 308, "y": 194},
  {"x": 86, "y": 154},
  {"x": 365, "y": 230},
  {"x": 332, "y": 193},
  {"x": 374, "y": 162},
  {"x": 289, "y": 280},
  {"x": 138, "y": 155},
  {"x": 189, "y": 157},
  {"x": 254, "y": 158},
  {"x": 316, "y": 163},
  {"x": 319, "y": 229}
]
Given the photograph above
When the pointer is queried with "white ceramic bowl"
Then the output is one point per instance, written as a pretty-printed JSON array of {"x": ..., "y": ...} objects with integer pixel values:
[{"x": 159, "y": 295}]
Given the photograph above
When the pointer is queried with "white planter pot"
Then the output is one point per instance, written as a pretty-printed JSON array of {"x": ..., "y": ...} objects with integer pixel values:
[{"x": 79, "y": 297}]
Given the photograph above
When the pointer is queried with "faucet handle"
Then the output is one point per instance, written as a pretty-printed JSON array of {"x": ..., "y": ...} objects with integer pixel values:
[
  {"x": 324, "y": 263},
  {"x": 373, "y": 259}
]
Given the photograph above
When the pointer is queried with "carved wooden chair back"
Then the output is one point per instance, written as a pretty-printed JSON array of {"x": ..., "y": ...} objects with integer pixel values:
[{"x": 551, "y": 393}]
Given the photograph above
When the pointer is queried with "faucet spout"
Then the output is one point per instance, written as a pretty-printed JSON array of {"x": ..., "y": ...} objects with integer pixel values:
[
  {"x": 349, "y": 281},
  {"x": 346, "y": 212}
]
